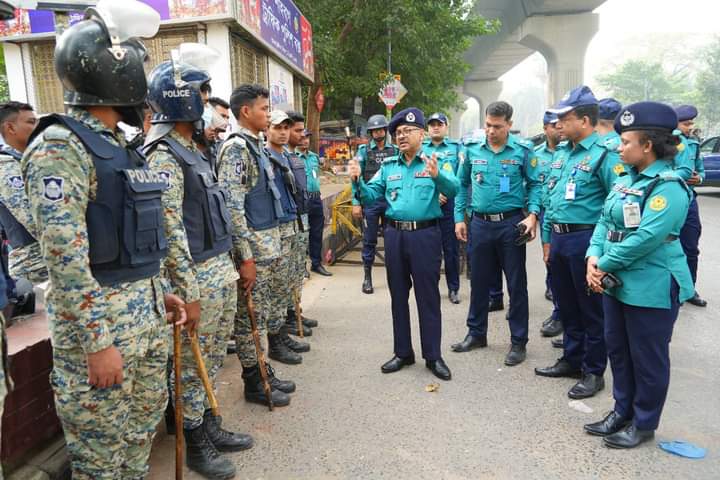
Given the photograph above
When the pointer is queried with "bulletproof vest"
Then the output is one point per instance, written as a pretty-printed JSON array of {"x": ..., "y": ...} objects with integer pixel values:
[
  {"x": 297, "y": 165},
  {"x": 16, "y": 233},
  {"x": 205, "y": 214},
  {"x": 375, "y": 159},
  {"x": 125, "y": 221},
  {"x": 285, "y": 182},
  {"x": 262, "y": 202}
]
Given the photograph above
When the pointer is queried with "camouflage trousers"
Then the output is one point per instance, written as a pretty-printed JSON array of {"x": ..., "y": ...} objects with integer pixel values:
[
  {"x": 283, "y": 286},
  {"x": 261, "y": 296},
  {"x": 217, "y": 312},
  {"x": 299, "y": 261},
  {"x": 109, "y": 431}
]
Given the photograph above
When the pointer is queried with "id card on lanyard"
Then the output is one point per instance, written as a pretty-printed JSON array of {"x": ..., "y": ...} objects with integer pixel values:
[
  {"x": 571, "y": 186},
  {"x": 504, "y": 181}
]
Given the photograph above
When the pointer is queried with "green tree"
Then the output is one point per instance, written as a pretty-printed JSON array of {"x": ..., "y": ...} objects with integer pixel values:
[
  {"x": 4, "y": 91},
  {"x": 640, "y": 80},
  {"x": 708, "y": 90},
  {"x": 351, "y": 41}
]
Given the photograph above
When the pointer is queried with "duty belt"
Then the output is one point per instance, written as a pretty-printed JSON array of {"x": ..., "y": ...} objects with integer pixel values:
[
  {"x": 411, "y": 226},
  {"x": 570, "y": 227},
  {"x": 615, "y": 237},
  {"x": 498, "y": 217},
  {"x": 313, "y": 195}
]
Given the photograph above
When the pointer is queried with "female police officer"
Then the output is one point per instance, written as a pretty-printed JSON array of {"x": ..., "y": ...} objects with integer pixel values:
[{"x": 635, "y": 257}]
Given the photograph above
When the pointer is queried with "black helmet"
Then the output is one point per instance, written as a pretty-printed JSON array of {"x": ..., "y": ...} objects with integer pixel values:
[
  {"x": 97, "y": 68},
  {"x": 174, "y": 93},
  {"x": 377, "y": 122}
]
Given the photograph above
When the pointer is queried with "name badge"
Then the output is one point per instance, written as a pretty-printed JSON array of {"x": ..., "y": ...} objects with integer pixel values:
[
  {"x": 423, "y": 174},
  {"x": 479, "y": 162},
  {"x": 556, "y": 165},
  {"x": 584, "y": 167},
  {"x": 397, "y": 176},
  {"x": 631, "y": 214},
  {"x": 570, "y": 190},
  {"x": 504, "y": 184}
]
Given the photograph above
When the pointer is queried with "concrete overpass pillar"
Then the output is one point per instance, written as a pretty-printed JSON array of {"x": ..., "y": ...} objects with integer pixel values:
[
  {"x": 563, "y": 41},
  {"x": 484, "y": 91}
]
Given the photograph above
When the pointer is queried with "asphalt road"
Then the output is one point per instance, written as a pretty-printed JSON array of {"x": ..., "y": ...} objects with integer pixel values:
[{"x": 348, "y": 420}]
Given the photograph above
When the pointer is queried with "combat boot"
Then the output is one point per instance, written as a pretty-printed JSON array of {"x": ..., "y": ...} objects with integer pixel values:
[
  {"x": 224, "y": 440},
  {"x": 294, "y": 345},
  {"x": 290, "y": 326},
  {"x": 203, "y": 457},
  {"x": 277, "y": 350},
  {"x": 367, "y": 286},
  {"x": 170, "y": 418},
  {"x": 285, "y": 386},
  {"x": 255, "y": 393}
]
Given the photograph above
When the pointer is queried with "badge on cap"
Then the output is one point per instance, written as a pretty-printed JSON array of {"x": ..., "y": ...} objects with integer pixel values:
[
  {"x": 627, "y": 118},
  {"x": 15, "y": 182},
  {"x": 658, "y": 203},
  {"x": 53, "y": 188},
  {"x": 410, "y": 117}
]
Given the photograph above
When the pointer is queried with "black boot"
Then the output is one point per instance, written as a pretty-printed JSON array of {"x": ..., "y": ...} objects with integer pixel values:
[
  {"x": 204, "y": 458},
  {"x": 224, "y": 440},
  {"x": 309, "y": 322},
  {"x": 367, "y": 286},
  {"x": 294, "y": 345},
  {"x": 290, "y": 326},
  {"x": 277, "y": 350},
  {"x": 285, "y": 386},
  {"x": 255, "y": 393},
  {"x": 170, "y": 418}
]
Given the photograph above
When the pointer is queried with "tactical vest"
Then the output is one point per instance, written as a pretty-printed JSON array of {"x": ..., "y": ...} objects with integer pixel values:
[
  {"x": 297, "y": 165},
  {"x": 375, "y": 159},
  {"x": 262, "y": 203},
  {"x": 16, "y": 233},
  {"x": 205, "y": 214},
  {"x": 285, "y": 183},
  {"x": 125, "y": 221}
]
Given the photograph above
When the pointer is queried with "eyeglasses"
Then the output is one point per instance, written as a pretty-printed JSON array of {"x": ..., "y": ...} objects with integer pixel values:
[{"x": 405, "y": 132}]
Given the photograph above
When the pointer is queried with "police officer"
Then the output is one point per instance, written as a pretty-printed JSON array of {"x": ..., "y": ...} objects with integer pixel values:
[
  {"x": 17, "y": 121},
  {"x": 370, "y": 158},
  {"x": 283, "y": 276},
  {"x": 608, "y": 109},
  {"x": 544, "y": 152},
  {"x": 98, "y": 215},
  {"x": 581, "y": 174},
  {"x": 316, "y": 213},
  {"x": 248, "y": 178},
  {"x": 448, "y": 152},
  {"x": 690, "y": 167},
  {"x": 504, "y": 173},
  {"x": 635, "y": 258},
  {"x": 411, "y": 184},
  {"x": 198, "y": 264}
]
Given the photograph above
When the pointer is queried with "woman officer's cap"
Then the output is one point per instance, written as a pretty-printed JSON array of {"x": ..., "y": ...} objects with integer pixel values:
[{"x": 646, "y": 116}]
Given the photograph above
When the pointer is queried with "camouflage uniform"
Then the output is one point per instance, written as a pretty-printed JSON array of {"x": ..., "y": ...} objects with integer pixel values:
[
  {"x": 23, "y": 262},
  {"x": 238, "y": 172},
  {"x": 300, "y": 254},
  {"x": 108, "y": 431},
  {"x": 283, "y": 281},
  {"x": 213, "y": 282}
]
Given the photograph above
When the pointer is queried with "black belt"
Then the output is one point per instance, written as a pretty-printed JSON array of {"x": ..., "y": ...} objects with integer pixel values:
[
  {"x": 313, "y": 195},
  {"x": 498, "y": 217},
  {"x": 570, "y": 227},
  {"x": 615, "y": 237},
  {"x": 411, "y": 226}
]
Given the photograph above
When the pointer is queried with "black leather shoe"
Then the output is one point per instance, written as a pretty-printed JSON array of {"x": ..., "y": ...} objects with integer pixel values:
[
  {"x": 558, "y": 342},
  {"x": 516, "y": 355},
  {"x": 285, "y": 386},
  {"x": 547, "y": 321},
  {"x": 470, "y": 342},
  {"x": 277, "y": 350},
  {"x": 396, "y": 363},
  {"x": 697, "y": 300},
  {"x": 309, "y": 322},
  {"x": 612, "y": 423},
  {"x": 295, "y": 346},
  {"x": 367, "y": 286},
  {"x": 495, "y": 305},
  {"x": 454, "y": 297},
  {"x": 629, "y": 437},
  {"x": 254, "y": 391},
  {"x": 548, "y": 295},
  {"x": 291, "y": 326},
  {"x": 224, "y": 440},
  {"x": 201, "y": 456},
  {"x": 560, "y": 369},
  {"x": 320, "y": 270},
  {"x": 587, "y": 387},
  {"x": 552, "y": 328},
  {"x": 439, "y": 369}
]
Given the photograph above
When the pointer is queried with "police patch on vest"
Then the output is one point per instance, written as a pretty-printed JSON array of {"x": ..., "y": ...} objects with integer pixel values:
[
  {"x": 166, "y": 177},
  {"x": 657, "y": 203},
  {"x": 142, "y": 176},
  {"x": 16, "y": 182},
  {"x": 53, "y": 188}
]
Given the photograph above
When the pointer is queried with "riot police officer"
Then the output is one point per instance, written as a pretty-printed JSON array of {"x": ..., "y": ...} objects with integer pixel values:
[
  {"x": 411, "y": 184},
  {"x": 371, "y": 158},
  {"x": 198, "y": 264},
  {"x": 98, "y": 213},
  {"x": 637, "y": 261},
  {"x": 691, "y": 168}
]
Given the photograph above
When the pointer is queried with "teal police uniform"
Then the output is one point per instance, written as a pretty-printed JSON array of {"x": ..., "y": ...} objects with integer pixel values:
[
  {"x": 412, "y": 245},
  {"x": 636, "y": 240},
  {"x": 316, "y": 214},
  {"x": 503, "y": 183}
]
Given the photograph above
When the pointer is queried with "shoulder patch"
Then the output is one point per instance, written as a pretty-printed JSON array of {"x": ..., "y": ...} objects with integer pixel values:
[
  {"x": 680, "y": 147},
  {"x": 53, "y": 188},
  {"x": 658, "y": 203},
  {"x": 619, "y": 169},
  {"x": 533, "y": 162},
  {"x": 166, "y": 177},
  {"x": 15, "y": 182},
  {"x": 57, "y": 132}
]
